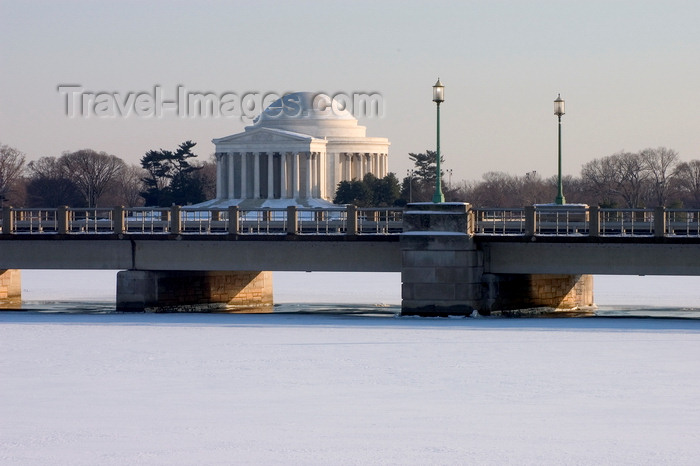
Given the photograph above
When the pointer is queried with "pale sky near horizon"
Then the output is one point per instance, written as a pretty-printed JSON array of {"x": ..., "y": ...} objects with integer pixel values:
[{"x": 628, "y": 70}]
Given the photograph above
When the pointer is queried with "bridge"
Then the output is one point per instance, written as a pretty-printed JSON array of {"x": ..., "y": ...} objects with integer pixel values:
[{"x": 453, "y": 258}]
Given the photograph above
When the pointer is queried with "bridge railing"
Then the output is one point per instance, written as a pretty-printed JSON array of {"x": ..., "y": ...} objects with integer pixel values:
[
  {"x": 260, "y": 221},
  {"x": 29, "y": 221},
  {"x": 551, "y": 220},
  {"x": 379, "y": 220},
  {"x": 202, "y": 222},
  {"x": 538, "y": 220},
  {"x": 84, "y": 220},
  {"x": 499, "y": 221},
  {"x": 341, "y": 220},
  {"x": 152, "y": 220},
  {"x": 332, "y": 221},
  {"x": 682, "y": 222},
  {"x": 627, "y": 222},
  {"x": 582, "y": 220}
]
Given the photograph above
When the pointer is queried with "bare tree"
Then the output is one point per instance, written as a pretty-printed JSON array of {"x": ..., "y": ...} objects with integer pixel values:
[
  {"x": 92, "y": 172},
  {"x": 533, "y": 190},
  {"x": 576, "y": 190},
  {"x": 631, "y": 177},
  {"x": 50, "y": 184},
  {"x": 660, "y": 164},
  {"x": 622, "y": 176},
  {"x": 11, "y": 167},
  {"x": 207, "y": 176},
  {"x": 496, "y": 189},
  {"x": 131, "y": 185},
  {"x": 598, "y": 176},
  {"x": 126, "y": 189},
  {"x": 687, "y": 176}
]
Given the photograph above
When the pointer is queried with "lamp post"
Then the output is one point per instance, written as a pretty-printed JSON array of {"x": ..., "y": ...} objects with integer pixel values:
[
  {"x": 559, "y": 111},
  {"x": 438, "y": 98},
  {"x": 409, "y": 173}
]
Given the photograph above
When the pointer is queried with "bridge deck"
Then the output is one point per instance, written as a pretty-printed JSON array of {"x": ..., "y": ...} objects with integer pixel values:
[
  {"x": 380, "y": 253},
  {"x": 573, "y": 240}
]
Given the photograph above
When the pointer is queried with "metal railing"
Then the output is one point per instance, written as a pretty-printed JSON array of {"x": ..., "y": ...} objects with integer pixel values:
[
  {"x": 30, "y": 221},
  {"x": 345, "y": 220},
  {"x": 682, "y": 222},
  {"x": 626, "y": 222},
  {"x": 582, "y": 220},
  {"x": 538, "y": 220},
  {"x": 499, "y": 221},
  {"x": 553, "y": 221}
]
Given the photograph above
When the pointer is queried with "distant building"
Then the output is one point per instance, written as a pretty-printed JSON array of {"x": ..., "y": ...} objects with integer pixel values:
[{"x": 296, "y": 152}]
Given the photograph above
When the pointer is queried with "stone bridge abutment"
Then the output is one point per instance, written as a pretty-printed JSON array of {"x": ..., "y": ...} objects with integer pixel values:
[
  {"x": 181, "y": 291},
  {"x": 443, "y": 272}
]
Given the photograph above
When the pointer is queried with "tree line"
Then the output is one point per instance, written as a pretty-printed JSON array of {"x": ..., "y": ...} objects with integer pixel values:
[
  {"x": 648, "y": 178},
  {"x": 87, "y": 178}
]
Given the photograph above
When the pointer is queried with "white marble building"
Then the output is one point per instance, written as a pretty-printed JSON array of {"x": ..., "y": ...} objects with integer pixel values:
[{"x": 296, "y": 152}]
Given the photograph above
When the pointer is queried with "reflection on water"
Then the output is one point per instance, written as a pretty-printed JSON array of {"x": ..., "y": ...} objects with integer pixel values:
[
  {"x": 658, "y": 312},
  {"x": 365, "y": 310},
  {"x": 75, "y": 307}
]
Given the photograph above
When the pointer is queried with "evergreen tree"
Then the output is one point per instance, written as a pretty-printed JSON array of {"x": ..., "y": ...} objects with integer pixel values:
[
  {"x": 370, "y": 192},
  {"x": 420, "y": 185},
  {"x": 425, "y": 164},
  {"x": 171, "y": 177}
]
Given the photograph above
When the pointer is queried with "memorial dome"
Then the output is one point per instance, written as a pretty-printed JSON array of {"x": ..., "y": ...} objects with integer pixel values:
[{"x": 311, "y": 113}]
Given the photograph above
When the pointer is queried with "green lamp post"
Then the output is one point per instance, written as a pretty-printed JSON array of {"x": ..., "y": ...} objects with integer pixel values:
[
  {"x": 559, "y": 111},
  {"x": 438, "y": 98}
]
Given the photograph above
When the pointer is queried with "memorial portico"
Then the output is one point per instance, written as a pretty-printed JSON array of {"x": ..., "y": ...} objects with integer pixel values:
[
  {"x": 294, "y": 154},
  {"x": 297, "y": 153}
]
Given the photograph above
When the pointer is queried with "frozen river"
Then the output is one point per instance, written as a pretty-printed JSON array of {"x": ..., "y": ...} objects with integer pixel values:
[
  {"x": 342, "y": 388},
  {"x": 299, "y": 389}
]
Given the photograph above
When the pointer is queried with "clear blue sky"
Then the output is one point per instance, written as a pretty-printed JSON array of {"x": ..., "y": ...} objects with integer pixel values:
[{"x": 628, "y": 70}]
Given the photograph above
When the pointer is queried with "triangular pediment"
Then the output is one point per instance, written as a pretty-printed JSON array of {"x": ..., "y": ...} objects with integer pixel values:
[{"x": 264, "y": 136}]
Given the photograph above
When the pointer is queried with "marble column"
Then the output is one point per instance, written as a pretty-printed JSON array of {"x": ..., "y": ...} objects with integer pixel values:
[
  {"x": 314, "y": 173},
  {"x": 270, "y": 175},
  {"x": 256, "y": 175},
  {"x": 283, "y": 176},
  {"x": 231, "y": 175},
  {"x": 219, "y": 176},
  {"x": 306, "y": 159},
  {"x": 295, "y": 175},
  {"x": 347, "y": 168},
  {"x": 244, "y": 175},
  {"x": 321, "y": 164}
]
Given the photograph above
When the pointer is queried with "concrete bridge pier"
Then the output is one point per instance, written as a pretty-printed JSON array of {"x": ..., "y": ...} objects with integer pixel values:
[
  {"x": 443, "y": 273},
  {"x": 10, "y": 289},
  {"x": 193, "y": 291},
  {"x": 441, "y": 266},
  {"x": 533, "y": 294}
]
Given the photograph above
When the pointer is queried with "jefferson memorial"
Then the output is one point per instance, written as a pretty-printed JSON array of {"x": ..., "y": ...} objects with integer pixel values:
[{"x": 295, "y": 153}]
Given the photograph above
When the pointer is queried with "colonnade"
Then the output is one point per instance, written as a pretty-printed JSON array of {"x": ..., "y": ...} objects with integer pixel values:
[
  {"x": 270, "y": 175},
  {"x": 291, "y": 175},
  {"x": 354, "y": 166}
]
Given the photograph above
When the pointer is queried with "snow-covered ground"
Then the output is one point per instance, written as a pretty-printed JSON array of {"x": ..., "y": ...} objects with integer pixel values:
[{"x": 183, "y": 389}]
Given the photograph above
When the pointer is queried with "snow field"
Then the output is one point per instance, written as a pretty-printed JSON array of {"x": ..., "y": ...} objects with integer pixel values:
[{"x": 181, "y": 389}]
